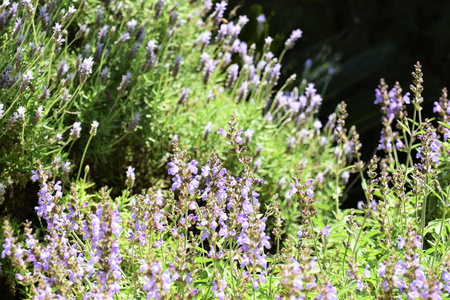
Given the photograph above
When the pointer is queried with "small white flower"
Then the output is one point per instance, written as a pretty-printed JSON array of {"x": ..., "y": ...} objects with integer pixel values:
[
  {"x": 132, "y": 24},
  {"x": 94, "y": 127},
  {"x": 39, "y": 112},
  {"x": 66, "y": 167},
  {"x": 21, "y": 113}
]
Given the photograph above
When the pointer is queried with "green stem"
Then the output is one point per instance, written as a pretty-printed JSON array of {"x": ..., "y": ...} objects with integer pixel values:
[
  {"x": 84, "y": 154},
  {"x": 345, "y": 255},
  {"x": 359, "y": 233},
  {"x": 424, "y": 210},
  {"x": 438, "y": 238},
  {"x": 119, "y": 140}
]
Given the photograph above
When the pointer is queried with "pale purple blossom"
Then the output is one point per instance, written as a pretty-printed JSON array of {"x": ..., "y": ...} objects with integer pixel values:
[
  {"x": 86, "y": 68},
  {"x": 173, "y": 168},
  {"x": 366, "y": 272},
  {"x": 299, "y": 232},
  {"x": 292, "y": 191},
  {"x": 345, "y": 175},
  {"x": 131, "y": 25},
  {"x": 295, "y": 35},
  {"x": 21, "y": 113},
  {"x": 222, "y": 132},
  {"x": 401, "y": 242},
  {"x": 325, "y": 231},
  {"x": 125, "y": 82},
  {"x": 38, "y": 113},
  {"x": 130, "y": 177},
  {"x": 193, "y": 184},
  {"x": 75, "y": 132},
  {"x": 261, "y": 18},
  {"x": 192, "y": 166}
]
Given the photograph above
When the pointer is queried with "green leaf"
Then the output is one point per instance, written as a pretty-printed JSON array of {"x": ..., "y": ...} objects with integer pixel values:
[{"x": 404, "y": 127}]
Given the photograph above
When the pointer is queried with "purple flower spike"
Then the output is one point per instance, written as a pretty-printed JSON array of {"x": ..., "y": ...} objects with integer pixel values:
[
  {"x": 310, "y": 192},
  {"x": 325, "y": 231},
  {"x": 401, "y": 242},
  {"x": 299, "y": 232},
  {"x": 173, "y": 168},
  {"x": 295, "y": 35},
  {"x": 222, "y": 132}
]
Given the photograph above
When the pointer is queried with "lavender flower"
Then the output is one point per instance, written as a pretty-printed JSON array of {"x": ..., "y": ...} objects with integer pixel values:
[
  {"x": 207, "y": 6},
  {"x": 99, "y": 18},
  {"x": 38, "y": 114},
  {"x": 44, "y": 17},
  {"x": 292, "y": 191},
  {"x": 173, "y": 170},
  {"x": 204, "y": 39},
  {"x": 325, "y": 231},
  {"x": 345, "y": 175},
  {"x": 248, "y": 134},
  {"x": 94, "y": 127},
  {"x": 310, "y": 191},
  {"x": 243, "y": 91},
  {"x": 261, "y": 18},
  {"x": 401, "y": 242},
  {"x": 66, "y": 168},
  {"x": 193, "y": 185},
  {"x": 124, "y": 83},
  {"x": 57, "y": 36},
  {"x": 62, "y": 70},
  {"x": 86, "y": 68},
  {"x": 2, "y": 193},
  {"x": 26, "y": 80},
  {"x": 131, "y": 25},
  {"x": 206, "y": 131},
  {"x": 66, "y": 17},
  {"x": 183, "y": 96},
  {"x": 158, "y": 8},
  {"x": 20, "y": 114},
  {"x": 83, "y": 32},
  {"x": 219, "y": 11},
  {"x": 151, "y": 46},
  {"x": 17, "y": 27},
  {"x": 104, "y": 74},
  {"x": 75, "y": 131},
  {"x": 123, "y": 38},
  {"x": 208, "y": 70},
  {"x": 295, "y": 35},
  {"x": 233, "y": 72},
  {"x": 176, "y": 66},
  {"x": 130, "y": 177},
  {"x": 103, "y": 32},
  {"x": 192, "y": 167},
  {"x": 430, "y": 149},
  {"x": 274, "y": 74}
]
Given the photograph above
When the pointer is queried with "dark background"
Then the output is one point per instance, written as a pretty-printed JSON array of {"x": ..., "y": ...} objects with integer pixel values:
[{"x": 363, "y": 41}]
